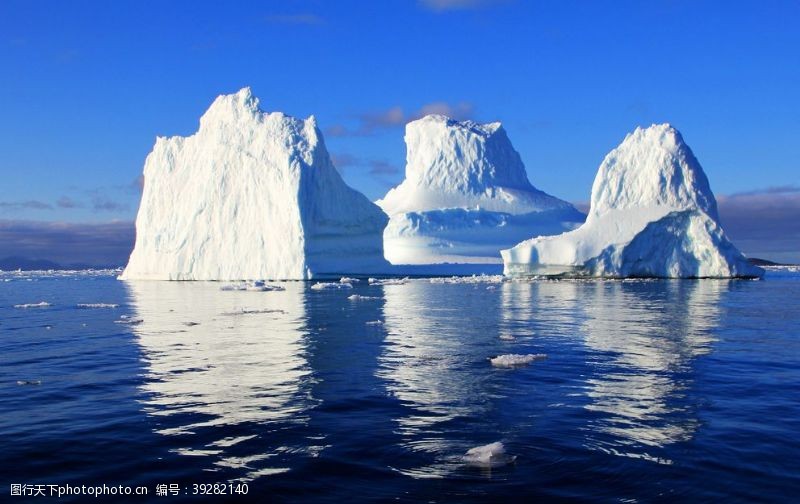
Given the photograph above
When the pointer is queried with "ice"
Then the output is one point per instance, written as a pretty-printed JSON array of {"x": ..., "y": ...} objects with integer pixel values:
[
  {"x": 358, "y": 297},
  {"x": 515, "y": 360},
  {"x": 251, "y": 195},
  {"x": 250, "y": 311},
  {"x": 42, "y": 304},
  {"x": 490, "y": 455},
  {"x": 98, "y": 305},
  {"x": 128, "y": 320},
  {"x": 331, "y": 286},
  {"x": 388, "y": 281},
  {"x": 29, "y": 382},
  {"x": 474, "y": 279},
  {"x": 375, "y": 322},
  {"x": 652, "y": 215},
  {"x": 349, "y": 280},
  {"x": 465, "y": 196}
]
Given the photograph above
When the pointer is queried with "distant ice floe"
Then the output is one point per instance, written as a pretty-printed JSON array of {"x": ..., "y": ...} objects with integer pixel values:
[
  {"x": 43, "y": 304},
  {"x": 247, "y": 311},
  {"x": 359, "y": 297},
  {"x": 257, "y": 286},
  {"x": 349, "y": 280},
  {"x": 29, "y": 382},
  {"x": 490, "y": 455},
  {"x": 515, "y": 360},
  {"x": 98, "y": 305},
  {"x": 128, "y": 320},
  {"x": 388, "y": 281},
  {"x": 474, "y": 279},
  {"x": 31, "y": 274},
  {"x": 331, "y": 286},
  {"x": 375, "y": 322}
]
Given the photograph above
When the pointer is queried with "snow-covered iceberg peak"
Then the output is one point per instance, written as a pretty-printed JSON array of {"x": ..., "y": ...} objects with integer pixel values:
[
  {"x": 455, "y": 164},
  {"x": 251, "y": 195},
  {"x": 652, "y": 215},
  {"x": 652, "y": 167},
  {"x": 465, "y": 196}
]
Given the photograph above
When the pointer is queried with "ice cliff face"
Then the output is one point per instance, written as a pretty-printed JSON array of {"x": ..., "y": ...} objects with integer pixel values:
[
  {"x": 466, "y": 195},
  {"x": 652, "y": 214},
  {"x": 251, "y": 195}
]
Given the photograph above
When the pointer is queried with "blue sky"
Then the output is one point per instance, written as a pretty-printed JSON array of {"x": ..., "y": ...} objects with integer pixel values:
[{"x": 86, "y": 86}]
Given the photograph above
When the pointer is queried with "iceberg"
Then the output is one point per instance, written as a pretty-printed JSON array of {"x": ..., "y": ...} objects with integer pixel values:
[
  {"x": 251, "y": 195},
  {"x": 465, "y": 196},
  {"x": 652, "y": 215}
]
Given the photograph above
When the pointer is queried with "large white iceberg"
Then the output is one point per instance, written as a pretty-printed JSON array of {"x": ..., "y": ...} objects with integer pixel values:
[
  {"x": 466, "y": 195},
  {"x": 251, "y": 195},
  {"x": 652, "y": 215}
]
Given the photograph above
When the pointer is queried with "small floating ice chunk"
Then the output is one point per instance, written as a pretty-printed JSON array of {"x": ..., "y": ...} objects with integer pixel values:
[
  {"x": 42, "y": 304},
  {"x": 127, "y": 320},
  {"x": 257, "y": 286},
  {"x": 375, "y": 322},
  {"x": 490, "y": 455},
  {"x": 388, "y": 281},
  {"x": 29, "y": 382},
  {"x": 506, "y": 337},
  {"x": 331, "y": 286},
  {"x": 359, "y": 297},
  {"x": 474, "y": 279},
  {"x": 248, "y": 311},
  {"x": 234, "y": 287},
  {"x": 515, "y": 360},
  {"x": 349, "y": 280},
  {"x": 98, "y": 305}
]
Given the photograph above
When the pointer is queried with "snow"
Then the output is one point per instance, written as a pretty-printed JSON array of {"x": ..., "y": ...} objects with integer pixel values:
[
  {"x": 98, "y": 305},
  {"x": 42, "y": 304},
  {"x": 250, "y": 195},
  {"x": 515, "y": 360},
  {"x": 652, "y": 215},
  {"x": 465, "y": 196},
  {"x": 490, "y": 455}
]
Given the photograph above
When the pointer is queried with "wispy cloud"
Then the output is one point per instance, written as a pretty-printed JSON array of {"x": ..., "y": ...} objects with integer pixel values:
[
  {"x": 304, "y": 18},
  {"x": 454, "y": 5},
  {"x": 369, "y": 123},
  {"x": 66, "y": 202},
  {"x": 375, "y": 167},
  {"x": 784, "y": 189},
  {"x": 381, "y": 167},
  {"x": 25, "y": 205},
  {"x": 103, "y": 204},
  {"x": 67, "y": 243}
]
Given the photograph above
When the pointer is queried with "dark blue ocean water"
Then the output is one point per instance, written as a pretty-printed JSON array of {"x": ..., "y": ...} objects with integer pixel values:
[{"x": 652, "y": 390}]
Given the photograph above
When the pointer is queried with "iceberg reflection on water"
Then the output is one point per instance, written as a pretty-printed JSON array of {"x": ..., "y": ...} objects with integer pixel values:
[
  {"x": 264, "y": 382},
  {"x": 224, "y": 359},
  {"x": 652, "y": 336}
]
